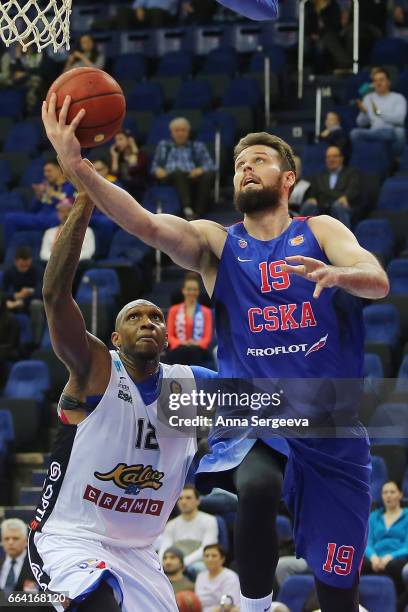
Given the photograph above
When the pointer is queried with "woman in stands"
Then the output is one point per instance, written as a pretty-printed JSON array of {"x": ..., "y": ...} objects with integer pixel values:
[
  {"x": 190, "y": 326},
  {"x": 387, "y": 548},
  {"x": 87, "y": 55},
  {"x": 129, "y": 164}
]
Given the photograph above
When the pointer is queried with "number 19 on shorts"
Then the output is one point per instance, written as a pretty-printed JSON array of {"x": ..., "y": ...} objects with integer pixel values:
[{"x": 339, "y": 559}]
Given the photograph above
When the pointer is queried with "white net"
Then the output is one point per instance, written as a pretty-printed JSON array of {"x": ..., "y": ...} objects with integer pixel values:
[{"x": 35, "y": 22}]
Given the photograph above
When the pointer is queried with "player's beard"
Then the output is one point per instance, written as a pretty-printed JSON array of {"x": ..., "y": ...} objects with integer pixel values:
[{"x": 254, "y": 200}]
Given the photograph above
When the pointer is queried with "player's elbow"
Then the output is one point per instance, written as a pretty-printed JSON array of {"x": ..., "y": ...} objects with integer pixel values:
[{"x": 384, "y": 287}]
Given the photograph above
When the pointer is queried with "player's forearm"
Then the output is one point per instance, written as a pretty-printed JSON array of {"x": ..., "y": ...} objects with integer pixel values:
[
  {"x": 364, "y": 280},
  {"x": 63, "y": 262}
]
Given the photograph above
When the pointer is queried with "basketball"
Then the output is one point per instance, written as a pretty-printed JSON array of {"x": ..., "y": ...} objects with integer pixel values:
[
  {"x": 187, "y": 601},
  {"x": 102, "y": 98}
]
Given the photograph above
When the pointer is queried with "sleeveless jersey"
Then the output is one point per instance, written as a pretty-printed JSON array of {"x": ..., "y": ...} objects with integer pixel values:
[
  {"x": 113, "y": 477},
  {"x": 268, "y": 323}
]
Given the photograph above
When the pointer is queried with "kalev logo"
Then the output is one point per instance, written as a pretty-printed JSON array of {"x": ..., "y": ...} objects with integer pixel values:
[
  {"x": 317, "y": 345},
  {"x": 134, "y": 477},
  {"x": 297, "y": 240}
]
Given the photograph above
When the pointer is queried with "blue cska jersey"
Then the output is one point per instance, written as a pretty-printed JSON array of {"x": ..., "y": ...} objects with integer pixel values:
[{"x": 268, "y": 323}]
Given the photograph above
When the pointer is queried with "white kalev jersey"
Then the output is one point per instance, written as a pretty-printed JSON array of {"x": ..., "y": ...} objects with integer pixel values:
[{"x": 113, "y": 477}]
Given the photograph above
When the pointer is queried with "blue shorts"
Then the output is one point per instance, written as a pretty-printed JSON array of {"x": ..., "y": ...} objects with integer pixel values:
[{"x": 327, "y": 491}]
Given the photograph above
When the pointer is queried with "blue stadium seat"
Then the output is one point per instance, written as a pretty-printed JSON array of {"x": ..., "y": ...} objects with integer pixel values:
[
  {"x": 25, "y": 328},
  {"x": 377, "y": 593},
  {"x": 370, "y": 157},
  {"x": 373, "y": 372},
  {"x": 167, "y": 197},
  {"x": 295, "y": 590},
  {"x": 11, "y": 103},
  {"x": 313, "y": 159},
  {"x": 6, "y": 426},
  {"x": 30, "y": 496},
  {"x": 218, "y": 120},
  {"x": 38, "y": 477},
  {"x": 146, "y": 97},
  {"x": 401, "y": 385},
  {"x": 159, "y": 130},
  {"x": 24, "y": 136},
  {"x": 107, "y": 282},
  {"x": 32, "y": 239},
  {"x": 129, "y": 66},
  {"x": 33, "y": 173},
  {"x": 354, "y": 82},
  {"x": 25, "y": 513},
  {"x": 284, "y": 528},
  {"x": 394, "y": 194},
  {"x": 5, "y": 174},
  {"x": 176, "y": 63},
  {"x": 379, "y": 476},
  {"x": 221, "y": 61},
  {"x": 377, "y": 236},
  {"x": 46, "y": 339},
  {"x": 222, "y": 533},
  {"x": 388, "y": 425},
  {"x": 382, "y": 324},
  {"x": 387, "y": 51},
  {"x": 194, "y": 94},
  {"x": 402, "y": 87},
  {"x": 242, "y": 91},
  {"x": 125, "y": 248},
  {"x": 28, "y": 379},
  {"x": 296, "y": 134},
  {"x": 11, "y": 201},
  {"x": 277, "y": 56},
  {"x": 398, "y": 274}
]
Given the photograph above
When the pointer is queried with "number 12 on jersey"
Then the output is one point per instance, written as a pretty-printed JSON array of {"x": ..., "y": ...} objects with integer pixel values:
[{"x": 146, "y": 436}]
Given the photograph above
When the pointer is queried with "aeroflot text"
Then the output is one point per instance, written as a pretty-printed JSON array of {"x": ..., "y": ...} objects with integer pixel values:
[{"x": 276, "y": 350}]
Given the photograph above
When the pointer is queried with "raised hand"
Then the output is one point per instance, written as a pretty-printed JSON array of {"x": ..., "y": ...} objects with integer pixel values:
[
  {"x": 61, "y": 135},
  {"x": 313, "y": 270}
]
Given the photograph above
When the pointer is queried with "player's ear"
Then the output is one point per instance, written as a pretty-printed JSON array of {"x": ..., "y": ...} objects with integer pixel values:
[
  {"x": 290, "y": 179},
  {"x": 115, "y": 337}
]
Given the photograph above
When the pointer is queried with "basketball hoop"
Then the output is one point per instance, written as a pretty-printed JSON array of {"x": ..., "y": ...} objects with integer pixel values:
[{"x": 35, "y": 22}]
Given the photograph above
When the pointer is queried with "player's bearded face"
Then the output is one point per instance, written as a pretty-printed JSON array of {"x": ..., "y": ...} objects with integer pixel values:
[{"x": 254, "y": 199}]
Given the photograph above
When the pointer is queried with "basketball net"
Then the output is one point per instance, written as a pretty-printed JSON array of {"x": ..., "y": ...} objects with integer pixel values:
[{"x": 35, "y": 22}]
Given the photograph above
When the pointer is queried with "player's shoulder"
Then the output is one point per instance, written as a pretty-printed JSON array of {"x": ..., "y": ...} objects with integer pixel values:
[
  {"x": 199, "y": 372},
  {"x": 208, "y": 227},
  {"x": 325, "y": 225}
]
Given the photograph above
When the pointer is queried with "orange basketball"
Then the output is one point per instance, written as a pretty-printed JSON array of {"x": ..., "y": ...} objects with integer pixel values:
[
  {"x": 187, "y": 601},
  {"x": 102, "y": 98}
]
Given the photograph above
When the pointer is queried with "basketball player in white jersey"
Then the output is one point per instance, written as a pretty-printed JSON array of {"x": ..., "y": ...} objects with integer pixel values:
[{"x": 113, "y": 479}]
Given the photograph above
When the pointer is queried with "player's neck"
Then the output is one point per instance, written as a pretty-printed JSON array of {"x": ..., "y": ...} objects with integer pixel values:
[
  {"x": 139, "y": 369},
  {"x": 267, "y": 224}
]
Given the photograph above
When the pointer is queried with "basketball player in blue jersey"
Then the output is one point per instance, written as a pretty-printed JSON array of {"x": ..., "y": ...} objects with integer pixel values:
[
  {"x": 276, "y": 283},
  {"x": 114, "y": 478}
]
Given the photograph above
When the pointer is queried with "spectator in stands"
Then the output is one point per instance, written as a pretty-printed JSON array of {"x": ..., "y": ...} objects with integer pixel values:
[
  {"x": 155, "y": 13},
  {"x": 190, "y": 326},
  {"x": 86, "y": 54},
  {"x": 51, "y": 235},
  {"x": 298, "y": 194},
  {"x": 382, "y": 115},
  {"x": 29, "y": 70},
  {"x": 5, "y": 68},
  {"x": 289, "y": 565},
  {"x": 217, "y": 582},
  {"x": 102, "y": 168},
  {"x": 9, "y": 338},
  {"x": 129, "y": 164},
  {"x": 190, "y": 531},
  {"x": 15, "y": 571},
  {"x": 400, "y": 13},
  {"x": 54, "y": 189},
  {"x": 22, "y": 283},
  {"x": 187, "y": 165},
  {"x": 199, "y": 11},
  {"x": 173, "y": 567},
  {"x": 333, "y": 133},
  {"x": 322, "y": 21},
  {"x": 387, "y": 548},
  {"x": 335, "y": 191}
]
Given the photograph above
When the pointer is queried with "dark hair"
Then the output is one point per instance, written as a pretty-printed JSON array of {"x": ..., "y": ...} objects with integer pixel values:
[
  {"x": 394, "y": 482},
  {"x": 127, "y": 133},
  {"x": 192, "y": 276},
  {"x": 382, "y": 70},
  {"x": 218, "y": 547},
  {"x": 284, "y": 150},
  {"x": 190, "y": 487},
  {"x": 53, "y": 162},
  {"x": 23, "y": 252},
  {"x": 93, "y": 55}
]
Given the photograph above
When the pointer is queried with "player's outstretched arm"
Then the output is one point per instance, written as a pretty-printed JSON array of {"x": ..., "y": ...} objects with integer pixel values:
[
  {"x": 70, "y": 340},
  {"x": 259, "y": 10},
  {"x": 186, "y": 243},
  {"x": 352, "y": 268}
]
